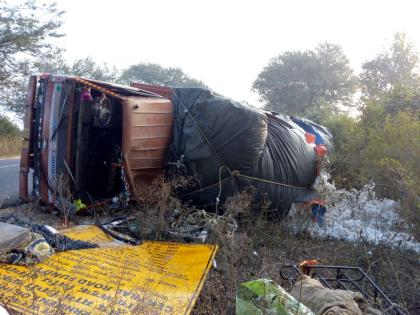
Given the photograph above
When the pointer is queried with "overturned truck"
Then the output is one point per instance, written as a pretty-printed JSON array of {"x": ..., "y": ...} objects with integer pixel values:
[{"x": 99, "y": 142}]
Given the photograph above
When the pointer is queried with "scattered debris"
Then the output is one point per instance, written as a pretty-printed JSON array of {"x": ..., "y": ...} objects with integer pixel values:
[
  {"x": 337, "y": 289},
  {"x": 12, "y": 236},
  {"x": 21, "y": 247},
  {"x": 194, "y": 226},
  {"x": 31, "y": 252},
  {"x": 198, "y": 225},
  {"x": 42, "y": 242},
  {"x": 355, "y": 216},
  {"x": 325, "y": 301},
  {"x": 99, "y": 150},
  {"x": 309, "y": 296},
  {"x": 264, "y": 296},
  {"x": 152, "y": 278}
]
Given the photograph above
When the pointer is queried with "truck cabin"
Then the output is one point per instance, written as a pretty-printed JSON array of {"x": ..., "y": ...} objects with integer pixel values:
[{"x": 91, "y": 140}]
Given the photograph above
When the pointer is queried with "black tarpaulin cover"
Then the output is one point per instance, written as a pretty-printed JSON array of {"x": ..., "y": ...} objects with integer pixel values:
[{"x": 228, "y": 146}]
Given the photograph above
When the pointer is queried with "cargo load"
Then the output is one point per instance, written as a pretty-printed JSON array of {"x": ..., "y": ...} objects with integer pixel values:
[{"x": 230, "y": 146}]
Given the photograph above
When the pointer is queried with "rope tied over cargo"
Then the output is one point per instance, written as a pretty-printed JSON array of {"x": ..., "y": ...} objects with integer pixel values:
[{"x": 236, "y": 173}]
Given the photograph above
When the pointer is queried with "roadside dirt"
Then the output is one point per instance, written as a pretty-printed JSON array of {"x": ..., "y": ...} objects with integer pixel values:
[{"x": 260, "y": 248}]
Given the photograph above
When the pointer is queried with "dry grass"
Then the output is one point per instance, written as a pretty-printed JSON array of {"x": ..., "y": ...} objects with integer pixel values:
[
  {"x": 261, "y": 247},
  {"x": 10, "y": 146},
  {"x": 158, "y": 204}
]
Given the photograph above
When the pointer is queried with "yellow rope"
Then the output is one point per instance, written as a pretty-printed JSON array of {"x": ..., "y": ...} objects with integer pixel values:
[{"x": 237, "y": 174}]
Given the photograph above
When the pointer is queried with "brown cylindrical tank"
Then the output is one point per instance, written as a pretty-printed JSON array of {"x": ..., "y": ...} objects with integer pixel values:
[{"x": 147, "y": 132}]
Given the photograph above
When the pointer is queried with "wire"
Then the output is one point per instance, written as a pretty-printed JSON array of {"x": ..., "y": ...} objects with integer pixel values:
[
  {"x": 116, "y": 235},
  {"x": 70, "y": 174},
  {"x": 198, "y": 220},
  {"x": 236, "y": 173}
]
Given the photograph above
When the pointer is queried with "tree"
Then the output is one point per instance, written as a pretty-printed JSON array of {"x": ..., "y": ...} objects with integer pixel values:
[
  {"x": 152, "y": 73},
  {"x": 82, "y": 67},
  {"x": 308, "y": 82},
  {"x": 383, "y": 149},
  {"x": 399, "y": 98},
  {"x": 25, "y": 33},
  {"x": 393, "y": 69},
  {"x": 7, "y": 127},
  {"x": 88, "y": 68},
  {"x": 382, "y": 144},
  {"x": 53, "y": 62}
]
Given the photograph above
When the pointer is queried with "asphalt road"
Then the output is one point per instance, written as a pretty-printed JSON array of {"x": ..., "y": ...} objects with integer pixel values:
[{"x": 9, "y": 181}]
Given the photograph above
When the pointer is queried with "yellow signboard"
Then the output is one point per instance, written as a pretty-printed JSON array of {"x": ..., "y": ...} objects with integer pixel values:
[
  {"x": 152, "y": 278},
  {"x": 92, "y": 234}
]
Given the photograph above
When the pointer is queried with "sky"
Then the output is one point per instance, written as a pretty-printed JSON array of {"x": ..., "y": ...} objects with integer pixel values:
[{"x": 227, "y": 43}]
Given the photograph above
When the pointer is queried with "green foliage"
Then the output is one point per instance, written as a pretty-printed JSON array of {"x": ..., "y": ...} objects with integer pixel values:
[
  {"x": 308, "y": 82},
  {"x": 401, "y": 98},
  {"x": 7, "y": 127},
  {"x": 54, "y": 62},
  {"x": 392, "y": 153},
  {"x": 82, "y": 67},
  {"x": 13, "y": 96},
  {"x": 395, "y": 68},
  {"x": 367, "y": 145},
  {"x": 382, "y": 148},
  {"x": 10, "y": 138},
  {"x": 152, "y": 73},
  {"x": 25, "y": 33},
  {"x": 348, "y": 140},
  {"x": 88, "y": 68},
  {"x": 383, "y": 144}
]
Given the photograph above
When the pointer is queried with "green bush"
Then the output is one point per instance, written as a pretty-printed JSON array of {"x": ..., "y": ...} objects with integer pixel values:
[
  {"x": 382, "y": 148},
  {"x": 8, "y": 128},
  {"x": 10, "y": 138}
]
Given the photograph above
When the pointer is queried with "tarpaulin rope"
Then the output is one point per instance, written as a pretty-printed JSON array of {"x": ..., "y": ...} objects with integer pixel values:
[
  {"x": 237, "y": 174},
  {"x": 220, "y": 185},
  {"x": 204, "y": 188}
]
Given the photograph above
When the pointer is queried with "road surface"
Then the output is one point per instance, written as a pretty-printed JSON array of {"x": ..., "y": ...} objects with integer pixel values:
[{"x": 9, "y": 181}]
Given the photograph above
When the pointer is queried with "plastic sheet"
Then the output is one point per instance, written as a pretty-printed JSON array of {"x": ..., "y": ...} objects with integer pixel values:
[{"x": 263, "y": 296}]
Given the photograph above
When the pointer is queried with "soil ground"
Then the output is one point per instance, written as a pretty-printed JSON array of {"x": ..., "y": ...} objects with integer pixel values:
[{"x": 260, "y": 248}]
